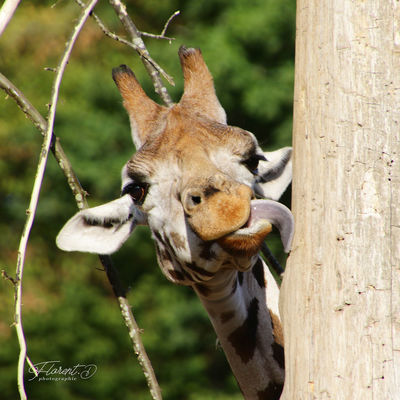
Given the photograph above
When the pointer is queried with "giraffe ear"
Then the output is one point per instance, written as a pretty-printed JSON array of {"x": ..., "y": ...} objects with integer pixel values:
[
  {"x": 146, "y": 116},
  {"x": 274, "y": 174},
  {"x": 199, "y": 92},
  {"x": 102, "y": 229}
]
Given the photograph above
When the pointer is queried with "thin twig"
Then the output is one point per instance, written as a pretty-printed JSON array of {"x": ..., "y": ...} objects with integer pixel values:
[
  {"x": 141, "y": 49},
  {"x": 133, "y": 328},
  {"x": 134, "y": 333},
  {"x": 73, "y": 181},
  {"x": 33, "y": 368},
  {"x": 6, "y": 12},
  {"x": 155, "y": 36},
  {"x": 162, "y": 34},
  {"x": 168, "y": 22},
  {"x": 114, "y": 36},
  {"x": 8, "y": 277},
  {"x": 35, "y": 197}
]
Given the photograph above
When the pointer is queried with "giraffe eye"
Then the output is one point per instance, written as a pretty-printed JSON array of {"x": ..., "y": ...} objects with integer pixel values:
[
  {"x": 251, "y": 163},
  {"x": 137, "y": 191}
]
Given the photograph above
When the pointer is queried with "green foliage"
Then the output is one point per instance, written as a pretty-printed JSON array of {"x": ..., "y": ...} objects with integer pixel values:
[{"x": 69, "y": 312}]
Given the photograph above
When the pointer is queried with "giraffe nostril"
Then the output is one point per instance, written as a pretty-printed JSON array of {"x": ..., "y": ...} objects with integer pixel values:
[{"x": 192, "y": 199}]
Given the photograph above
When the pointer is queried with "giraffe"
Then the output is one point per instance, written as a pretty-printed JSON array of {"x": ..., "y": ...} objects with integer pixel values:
[{"x": 208, "y": 194}]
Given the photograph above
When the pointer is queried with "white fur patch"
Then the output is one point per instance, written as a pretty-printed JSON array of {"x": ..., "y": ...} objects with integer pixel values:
[
  {"x": 275, "y": 173},
  {"x": 101, "y": 229}
]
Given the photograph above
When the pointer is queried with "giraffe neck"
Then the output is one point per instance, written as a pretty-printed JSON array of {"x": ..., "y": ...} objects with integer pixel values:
[{"x": 248, "y": 331}]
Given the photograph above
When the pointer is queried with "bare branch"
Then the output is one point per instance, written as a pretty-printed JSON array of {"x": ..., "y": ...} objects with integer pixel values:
[
  {"x": 6, "y": 13},
  {"x": 8, "y": 277},
  {"x": 105, "y": 30},
  {"x": 176, "y": 13},
  {"x": 133, "y": 328},
  {"x": 114, "y": 36},
  {"x": 155, "y": 36},
  {"x": 33, "y": 368},
  {"x": 141, "y": 49},
  {"x": 134, "y": 333},
  {"x": 162, "y": 34},
  {"x": 35, "y": 198},
  {"x": 73, "y": 181}
]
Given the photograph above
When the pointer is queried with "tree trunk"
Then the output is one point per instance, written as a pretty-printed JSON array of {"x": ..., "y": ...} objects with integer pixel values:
[{"x": 340, "y": 298}]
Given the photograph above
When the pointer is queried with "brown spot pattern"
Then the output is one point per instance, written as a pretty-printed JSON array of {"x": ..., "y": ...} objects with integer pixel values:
[
  {"x": 176, "y": 275},
  {"x": 206, "y": 251},
  {"x": 272, "y": 392},
  {"x": 178, "y": 240},
  {"x": 243, "y": 338},
  {"x": 227, "y": 316},
  {"x": 278, "y": 354},
  {"x": 200, "y": 271},
  {"x": 202, "y": 289}
]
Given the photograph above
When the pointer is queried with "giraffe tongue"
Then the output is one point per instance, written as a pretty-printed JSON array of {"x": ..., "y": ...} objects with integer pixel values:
[{"x": 278, "y": 215}]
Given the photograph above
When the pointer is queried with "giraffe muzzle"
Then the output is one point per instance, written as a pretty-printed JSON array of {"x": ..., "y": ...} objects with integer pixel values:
[
  {"x": 263, "y": 214},
  {"x": 213, "y": 213}
]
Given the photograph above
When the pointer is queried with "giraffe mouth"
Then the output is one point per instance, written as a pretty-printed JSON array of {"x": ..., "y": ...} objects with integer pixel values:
[{"x": 263, "y": 214}]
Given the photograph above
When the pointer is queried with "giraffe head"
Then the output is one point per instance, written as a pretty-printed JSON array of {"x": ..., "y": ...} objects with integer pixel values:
[{"x": 194, "y": 181}]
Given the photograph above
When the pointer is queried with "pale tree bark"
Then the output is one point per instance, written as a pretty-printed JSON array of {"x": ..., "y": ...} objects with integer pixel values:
[{"x": 340, "y": 298}]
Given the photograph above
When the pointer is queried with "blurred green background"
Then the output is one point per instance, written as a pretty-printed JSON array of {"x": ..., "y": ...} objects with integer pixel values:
[{"x": 69, "y": 312}]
